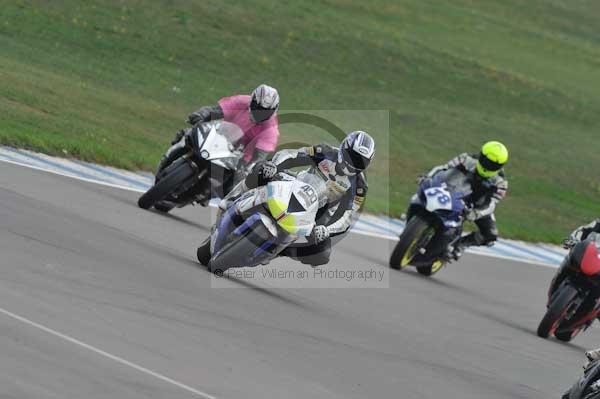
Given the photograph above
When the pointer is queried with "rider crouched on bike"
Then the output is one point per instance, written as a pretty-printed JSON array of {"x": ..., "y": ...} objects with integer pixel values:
[
  {"x": 342, "y": 171},
  {"x": 255, "y": 115},
  {"x": 489, "y": 187},
  {"x": 579, "y": 234}
]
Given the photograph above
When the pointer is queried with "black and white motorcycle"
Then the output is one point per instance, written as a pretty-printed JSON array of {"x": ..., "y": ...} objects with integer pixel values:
[
  {"x": 205, "y": 170},
  {"x": 588, "y": 386},
  {"x": 264, "y": 221}
]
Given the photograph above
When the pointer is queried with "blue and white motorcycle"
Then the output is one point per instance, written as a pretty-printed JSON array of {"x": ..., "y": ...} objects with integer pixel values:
[{"x": 434, "y": 222}]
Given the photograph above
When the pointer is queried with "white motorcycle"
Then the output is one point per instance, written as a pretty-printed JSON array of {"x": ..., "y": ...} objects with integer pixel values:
[
  {"x": 264, "y": 221},
  {"x": 206, "y": 170}
]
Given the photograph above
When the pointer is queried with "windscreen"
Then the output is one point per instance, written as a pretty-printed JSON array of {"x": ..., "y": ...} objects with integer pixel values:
[
  {"x": 455, "y": 180},
  {"x": 595, "y": 237},
  {"x": 317, "y": 183},
  {"x": 230, "y": 131}
]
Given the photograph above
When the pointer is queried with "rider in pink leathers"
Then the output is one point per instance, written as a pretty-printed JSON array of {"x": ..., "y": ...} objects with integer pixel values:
[{"x": 255, "y": 115}]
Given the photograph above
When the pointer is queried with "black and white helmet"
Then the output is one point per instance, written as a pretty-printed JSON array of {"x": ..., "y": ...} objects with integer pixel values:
[
  {"x": 264, "y": 103},
  {"x": 356, "y": 152}
]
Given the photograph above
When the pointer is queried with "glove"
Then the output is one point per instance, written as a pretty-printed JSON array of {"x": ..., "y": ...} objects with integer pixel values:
[
  {"x": 266, "y": 170},
  {"x": 472, "y": 215},
  {"x": 202, "y": 115},
  {"x": 178, "y": 137},
  {"x": 592, "y": 356},
  {"x": 421, "y": 179},
  {"x": 569, "y": 243},
  {"x": 577, "y": 235},
  {"x": 319, "y": 234}
]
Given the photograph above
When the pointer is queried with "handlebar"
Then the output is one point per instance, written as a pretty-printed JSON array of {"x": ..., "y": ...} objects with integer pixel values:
[{"x": 569, "y": 243}]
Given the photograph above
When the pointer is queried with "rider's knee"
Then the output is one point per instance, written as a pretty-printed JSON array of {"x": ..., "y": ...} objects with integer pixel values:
[
  {"x": 318, "y": 259},
  {"x": 314, "y": 255}
]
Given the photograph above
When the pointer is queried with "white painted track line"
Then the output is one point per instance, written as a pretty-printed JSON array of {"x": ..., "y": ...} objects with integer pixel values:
[{"x": 105, "y": 354}]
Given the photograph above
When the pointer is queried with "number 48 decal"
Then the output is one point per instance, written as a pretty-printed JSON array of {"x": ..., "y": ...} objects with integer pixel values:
[{"x": 442, "y": 195}]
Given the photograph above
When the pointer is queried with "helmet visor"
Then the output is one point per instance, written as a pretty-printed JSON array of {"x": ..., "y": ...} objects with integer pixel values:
[
  {"x": 488, "y": 164},
  {"x": 354, "y": 161},
  {"x": 259, "y": 113}
]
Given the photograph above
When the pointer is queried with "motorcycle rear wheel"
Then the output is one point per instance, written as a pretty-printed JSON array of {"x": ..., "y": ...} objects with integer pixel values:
[
  {"x": 564, "y": 336},
  {"x": 431, "y": 269}
]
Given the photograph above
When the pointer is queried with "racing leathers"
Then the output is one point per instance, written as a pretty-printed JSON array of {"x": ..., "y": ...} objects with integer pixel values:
[
  {"x": 345, "y": 196},
  {"x": 481, "y": 203},
  {"x": 582, "y": 232},
  {"x": 204, "y": 114},
  {"x": 259, "y": 140}
]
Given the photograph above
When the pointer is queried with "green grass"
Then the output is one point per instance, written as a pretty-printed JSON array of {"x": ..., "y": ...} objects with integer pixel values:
[{"x": 112, "y": 82}]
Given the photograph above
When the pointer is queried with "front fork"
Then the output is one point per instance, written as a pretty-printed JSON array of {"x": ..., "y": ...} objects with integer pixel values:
[
  {"x": 559, "y": 277},
  {"x": 442, "y": 240}
]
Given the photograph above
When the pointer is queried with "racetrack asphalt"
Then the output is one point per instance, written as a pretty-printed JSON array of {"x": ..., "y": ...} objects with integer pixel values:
[{"x": 100, "y": 299}]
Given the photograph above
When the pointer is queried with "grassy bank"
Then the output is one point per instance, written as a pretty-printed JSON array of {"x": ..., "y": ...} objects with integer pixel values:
[{"x": 111, "y": 83}]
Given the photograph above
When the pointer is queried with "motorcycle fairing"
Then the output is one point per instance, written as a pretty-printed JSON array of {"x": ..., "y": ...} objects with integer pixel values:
[
  {"x": 293, "y": 204},
  {"x": 216, "y": 143},
  {"x": 438, "y": 198},
  {"x": 590, "y": 263}
]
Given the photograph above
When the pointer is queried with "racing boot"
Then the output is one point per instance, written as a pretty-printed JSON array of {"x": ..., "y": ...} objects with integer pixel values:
[
  {"x": 456, "y": 251},
  {"x": 471, "y": 240}
]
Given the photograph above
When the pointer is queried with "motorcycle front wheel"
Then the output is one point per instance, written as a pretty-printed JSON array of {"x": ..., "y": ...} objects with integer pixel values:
[
  {"x": 556, "y": 311},
  {"x": 240, "y": 250},
  {"x": 175, "y": 175},
  {"x": 416, "y": 235}
]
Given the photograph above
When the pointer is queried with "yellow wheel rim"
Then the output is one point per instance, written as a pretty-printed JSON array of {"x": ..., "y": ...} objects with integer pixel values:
[
  {"x": 409, "y": 254},
  {"x": 437, "y": 265}
]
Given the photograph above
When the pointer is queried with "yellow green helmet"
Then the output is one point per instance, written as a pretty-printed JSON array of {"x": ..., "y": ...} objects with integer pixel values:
[{"x": 492, "y": 159}]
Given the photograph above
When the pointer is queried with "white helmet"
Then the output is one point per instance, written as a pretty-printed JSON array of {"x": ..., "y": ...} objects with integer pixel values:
[
  {"x": 356, "y": 152},
  {"x": 264, "y": 103}
]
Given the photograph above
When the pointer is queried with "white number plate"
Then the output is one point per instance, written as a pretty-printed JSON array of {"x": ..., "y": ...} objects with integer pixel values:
[{"x": 438, "y": 198}]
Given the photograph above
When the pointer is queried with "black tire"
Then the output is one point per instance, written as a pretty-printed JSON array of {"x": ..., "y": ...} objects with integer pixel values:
[
  {"x": 181, "y": 171},
  {"x": 231, "y": 254},
  {"x": 203, "y": 252},
  {"x": 431, "y": 269},
  {"x": 556, "y": 310},
  {"x": 163, "y": 207},
  {"x": 414, "y": 231},
  {"x": 564, "y": 336}
]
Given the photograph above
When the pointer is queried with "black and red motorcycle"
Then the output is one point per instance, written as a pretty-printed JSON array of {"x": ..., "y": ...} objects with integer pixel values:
[{"x": 573, "y": 297}]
